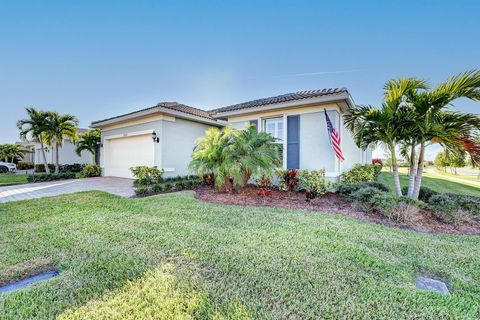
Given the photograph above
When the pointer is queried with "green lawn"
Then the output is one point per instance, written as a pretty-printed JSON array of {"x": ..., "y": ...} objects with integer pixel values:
[
  {"x": 434, "y": 182},
  {"x": 171, "y": 256},
  {"x": 8, "y": 179}
]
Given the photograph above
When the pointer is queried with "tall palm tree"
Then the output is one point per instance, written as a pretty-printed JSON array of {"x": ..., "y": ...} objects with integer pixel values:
[
  {"x": 431, "y": 121},
  {"x": 88, "y": 141},
  {"x": 33, "y": 127},
  {"x": 58, "y": 128},
  {"x": 385, "y": 125}
]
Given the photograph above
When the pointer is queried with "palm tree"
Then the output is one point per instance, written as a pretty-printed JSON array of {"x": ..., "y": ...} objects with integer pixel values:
[
  {"x": 58, "y": 128},
  {"x": 371, "y": 126},
  {"x": 209, "y": 156},
  {"x": 433, "y": 125},
  {"x": 34, "y": 128},
  {"x": 252, "y": 153},
  {"x": 88, "y": 141}
]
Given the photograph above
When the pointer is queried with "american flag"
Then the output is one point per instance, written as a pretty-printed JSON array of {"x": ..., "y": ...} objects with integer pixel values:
[{"x": 334, "y": 138}]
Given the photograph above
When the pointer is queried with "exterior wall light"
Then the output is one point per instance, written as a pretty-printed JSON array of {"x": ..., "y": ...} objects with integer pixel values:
[{"x": 154, "y": 137}]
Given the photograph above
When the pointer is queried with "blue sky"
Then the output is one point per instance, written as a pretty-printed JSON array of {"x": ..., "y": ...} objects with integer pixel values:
[{"x": 97, "y": 59}]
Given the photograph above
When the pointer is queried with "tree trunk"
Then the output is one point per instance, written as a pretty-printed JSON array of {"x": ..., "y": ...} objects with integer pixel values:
[
  {"x": 412, "y": 171},
  {"x": 93, "y": 157},
  {"x": 45, "y": 163},
  {"x": 57, "y": 157},
  {"x": 396, "y": 177},
  {"x": 418, "y": 177}
]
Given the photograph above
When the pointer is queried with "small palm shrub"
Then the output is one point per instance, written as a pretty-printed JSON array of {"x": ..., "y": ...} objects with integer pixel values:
[
  {"x": 91, "y": 170},
  {"x": 361, "y": 173},
  {"x": 146, "y": 176}
]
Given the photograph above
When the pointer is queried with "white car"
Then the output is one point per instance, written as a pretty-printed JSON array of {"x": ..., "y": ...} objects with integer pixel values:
[{"x": 7, "y": 167}]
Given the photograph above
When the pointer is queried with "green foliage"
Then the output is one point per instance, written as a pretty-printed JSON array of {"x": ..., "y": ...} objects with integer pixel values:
[
  {"x": 40, "y": 167},
  {"x": 348, "y": 188},
  {"x": 75, "y": 167},
  {"x": 467, "y": 203},
  {"x": 50, "y": 176},
  {"x": 312, "y": 182},
  {"x": 10, "y": 152},
  {"x": 91, "y": 170},
  {"x": 288, "y": 180},
  {"x": 147, "y": 176},
  {"x": 445, "y": 208},
  {"x": 141, "y": 258},
  {"x": 89, "y": 141},
  {"x": 234, "y": 156},
  {"x": 361, "y": 173},
  {"x": 424, "y": 195},
  {"x": 25, "y": 165},
  {"x": 168, "y": 185}
]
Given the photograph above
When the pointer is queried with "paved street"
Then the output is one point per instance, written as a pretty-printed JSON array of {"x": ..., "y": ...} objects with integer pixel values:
[{"x": 118, "y": 186}]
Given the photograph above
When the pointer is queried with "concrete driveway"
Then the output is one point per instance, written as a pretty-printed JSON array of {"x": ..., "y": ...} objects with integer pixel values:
[{"x": 118, "y": 186}]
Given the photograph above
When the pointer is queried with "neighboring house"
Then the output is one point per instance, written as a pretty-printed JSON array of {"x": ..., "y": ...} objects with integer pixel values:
[
  {"x": 67, "y": 154},
  {"x": 296, "y": 119}
]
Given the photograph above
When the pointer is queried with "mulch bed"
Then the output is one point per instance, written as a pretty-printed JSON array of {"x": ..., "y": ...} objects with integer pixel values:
[{"x": 333, "y": 203}]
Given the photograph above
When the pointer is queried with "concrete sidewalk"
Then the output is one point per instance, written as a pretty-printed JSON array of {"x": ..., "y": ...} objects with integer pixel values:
[{"x": 118, "y": 186}]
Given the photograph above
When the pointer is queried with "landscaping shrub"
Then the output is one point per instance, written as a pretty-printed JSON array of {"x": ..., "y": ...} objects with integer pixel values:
[
  {"x": 402, "y": 212},
  {"x": 91, "y": 170},
  {"x": 376, "y": 184},
  {"x": 288, "y": 180},
  {"x": 312, "y": 182},
  {"x": 40, "y": 167},
  {"x": 424, "y": 195},
  {"x": 168, "y": 185},
  {"x": 349, "y": 188},
  {"x": 377, "y": 161},
  {"x": 370, "y": 197},
  {"x": 209, "y": 179},
  {"x": 76, "y": 167},
  {"x": 50, "y": 176},
  {"x": 264, "y": 187},
  {"x": 25, "y": 165},
  {"x": 361, "y": 173},
  {"x": 146, "y": 176},
  {"x": 446, "y": 209},
  {"x": 467, "y": 203}
]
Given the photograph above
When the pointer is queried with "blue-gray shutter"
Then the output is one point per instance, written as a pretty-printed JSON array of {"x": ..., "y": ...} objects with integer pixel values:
[
  {"x": 254, "y": 122},
  {"x": 293, "y": 142}
]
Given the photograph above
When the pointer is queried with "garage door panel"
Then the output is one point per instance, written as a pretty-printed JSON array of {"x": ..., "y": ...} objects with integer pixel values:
[{"x": 123, "y": 153}]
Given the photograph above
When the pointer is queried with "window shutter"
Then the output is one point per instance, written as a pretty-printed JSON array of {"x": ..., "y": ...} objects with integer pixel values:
[{"x": 293, "y": 142}]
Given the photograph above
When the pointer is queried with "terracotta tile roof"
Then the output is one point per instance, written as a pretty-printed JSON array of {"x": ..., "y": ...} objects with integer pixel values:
[
  {"x": 185, "y": 109},
  {"x": 167, "y": 105},
  {"x": 281, "y": 98}
]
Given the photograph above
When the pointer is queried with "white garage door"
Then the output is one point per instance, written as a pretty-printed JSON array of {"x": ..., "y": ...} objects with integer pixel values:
[{"x": 123, "y": 153}]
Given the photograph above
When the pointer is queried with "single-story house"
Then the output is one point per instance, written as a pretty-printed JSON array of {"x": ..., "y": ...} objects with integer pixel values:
[
  {"x": 164, "y": 135},
  {"x": 67, "y": 154}
]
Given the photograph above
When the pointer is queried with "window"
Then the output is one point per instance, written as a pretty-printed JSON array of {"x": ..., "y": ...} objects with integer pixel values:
[{"x": 274, "y": 126}]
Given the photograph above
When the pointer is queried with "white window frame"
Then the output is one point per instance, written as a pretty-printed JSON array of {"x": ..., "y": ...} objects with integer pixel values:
[{"x": 283, "y": 139}]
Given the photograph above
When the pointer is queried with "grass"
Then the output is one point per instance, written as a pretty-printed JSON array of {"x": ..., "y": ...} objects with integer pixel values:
[
  {"x": 8, "y": 179},
  {"x": 434, "y": 182},
  {"x": 172, "y": 256}
]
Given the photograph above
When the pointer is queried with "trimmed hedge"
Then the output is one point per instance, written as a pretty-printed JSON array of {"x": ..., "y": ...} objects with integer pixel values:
[
  {"x": 40, "y": 167},
  {"x": 50, "y": 176},
  {"x": 170, "y": 184},
  {"x": 75, "y": 167},
  {"x": 361, "y": 173},
  {"x": 25, "y": 165}
]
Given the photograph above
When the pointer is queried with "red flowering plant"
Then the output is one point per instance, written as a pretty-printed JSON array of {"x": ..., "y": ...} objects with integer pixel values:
[
  {"x": 264, "y": 185},
  {"x": 288, "y": 180}
]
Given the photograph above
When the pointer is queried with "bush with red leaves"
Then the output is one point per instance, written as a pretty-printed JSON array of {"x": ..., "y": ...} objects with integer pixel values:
[
  {"x": 264, "y": 188},
  {"x": 377, "y": 161}
]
